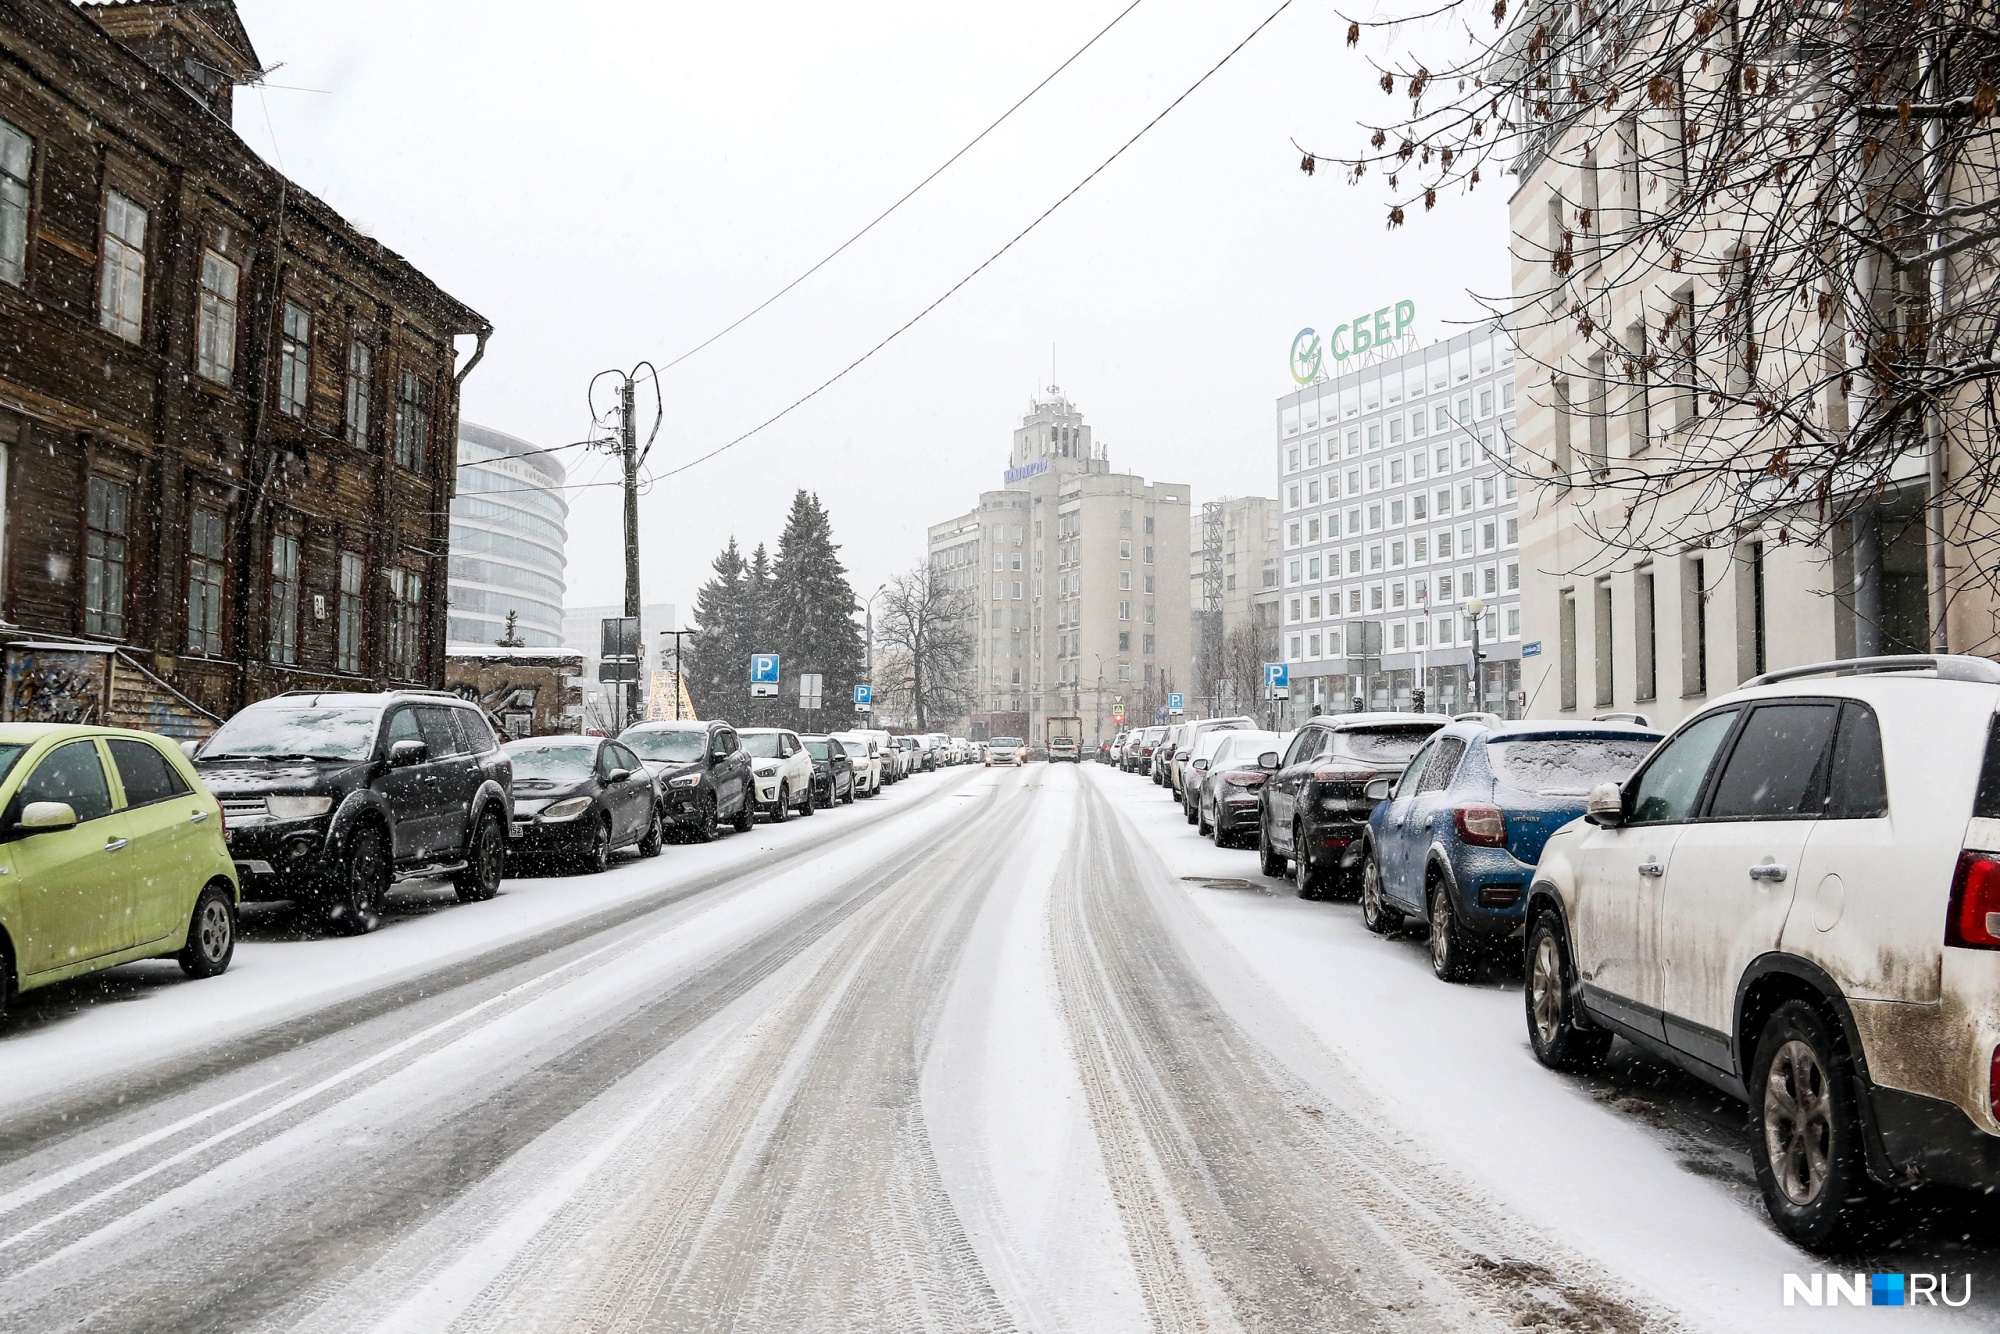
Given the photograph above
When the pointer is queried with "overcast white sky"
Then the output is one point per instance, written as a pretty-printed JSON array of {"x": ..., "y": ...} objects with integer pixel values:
[{"x": 613, "y": 181}]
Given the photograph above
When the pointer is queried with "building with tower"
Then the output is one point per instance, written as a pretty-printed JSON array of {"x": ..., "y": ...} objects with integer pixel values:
[{"x": 1078, "y": 576}]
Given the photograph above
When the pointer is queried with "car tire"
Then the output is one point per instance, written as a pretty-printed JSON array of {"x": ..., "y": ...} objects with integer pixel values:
[
  {"x": 654, "y": 840},
  {"x": 746, "y": 816},
  {"x": 1269, "y": 860},
  {"x": 1376, "y": 914},
  {"x": 703, "y": 828},
  {"x": 354, "y": 907},
  {"x": 1806, "y": 1131},
  {"x": 1452, "y": 953},
  {"x": 485, "y": 861},
  {"x": 211, "y": 937},
  {"x": 811, "y": 803},
  {"x": 781, "y": 805},
  {"x": 1315, "y": 882},
  {"x": 1201, "y": 825},
  {"x": 6, "y": 986},
  {"x": 1555, "y": 1030},
  {"x": 1222, "y": 838},
  {"x": 597, "y": 857},
  {"x": 850, "y": 790}
]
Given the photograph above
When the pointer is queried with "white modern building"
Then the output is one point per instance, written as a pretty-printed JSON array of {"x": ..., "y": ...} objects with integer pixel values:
[
  {"x": 1400, "y": 530},
  {"x": 508, "y": 529}
]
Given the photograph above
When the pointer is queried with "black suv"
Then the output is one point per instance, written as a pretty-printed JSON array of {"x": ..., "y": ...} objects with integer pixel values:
[
  {"x": 1316, "y": 806},
  {"x": 702, "y": 771},
  {"x": 330, "y": 796}
]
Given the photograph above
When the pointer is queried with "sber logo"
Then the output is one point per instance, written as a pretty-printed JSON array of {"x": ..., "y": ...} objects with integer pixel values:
[{"x": 1878, "y": 1289}]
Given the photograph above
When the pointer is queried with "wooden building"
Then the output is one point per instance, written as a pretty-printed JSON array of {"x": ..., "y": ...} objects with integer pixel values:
[{"x": 227, "y": 417}]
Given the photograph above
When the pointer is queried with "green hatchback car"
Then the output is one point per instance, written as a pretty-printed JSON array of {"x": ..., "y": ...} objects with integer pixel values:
[{"x": 110, "y": 850}]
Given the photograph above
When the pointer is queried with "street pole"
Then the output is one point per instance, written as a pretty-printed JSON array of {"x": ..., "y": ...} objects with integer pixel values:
[
  {"x": 628, "y": 450},
  {"x": 1477, "y": 608}
]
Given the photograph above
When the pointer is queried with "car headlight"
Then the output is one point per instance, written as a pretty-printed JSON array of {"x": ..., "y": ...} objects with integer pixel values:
[
  {"x": 685, "y": 780},
  {"x": 297, "y": 808},
  {"x": 766, "y": 770},
  {"x": 566, "y": 810}
]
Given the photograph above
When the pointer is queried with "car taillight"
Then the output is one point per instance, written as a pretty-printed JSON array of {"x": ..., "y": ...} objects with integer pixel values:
[
  {"x": 1975, "y": 902},
  {"x": 1244, "y": 780},
  {"x": 1481, "y": 826},
  {"x": 1343, "y": 775}
]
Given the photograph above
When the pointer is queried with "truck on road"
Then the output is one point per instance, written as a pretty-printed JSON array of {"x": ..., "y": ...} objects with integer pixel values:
[{"x": 1065, "y": 739}]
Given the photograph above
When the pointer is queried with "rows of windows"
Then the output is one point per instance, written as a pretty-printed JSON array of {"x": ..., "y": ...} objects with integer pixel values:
[
  {"x": 125, "y": 244},
  {"x": 507, "y": 576},
  {"x": 1402, "y": 469},
  {"x": 1421, "y": 592},
  {"x": 1440, "y": 419},
  {"x": 1411, "y": 511},
  {"x": 1374, "y": 638},
  {"x": 1438, "y": 546},
  {"x": 1437, "y": 370}
]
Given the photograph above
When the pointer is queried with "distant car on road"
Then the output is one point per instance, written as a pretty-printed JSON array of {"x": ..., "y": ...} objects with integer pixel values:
[
  {"x": 113, "y": 851},
  {"x": 782, "y": 771},
  {"x": 578, "y": 799},
  {"x": 1455, "y": 844},
  {"x": 1192, "y": 748},
  {"x": 1227, "y": 792},
  {"x": 866, "y": 757},
  {"x": 329, "y": 796},
  {"x": 702, "y": 771},
  {"x": 833, "y": 771},
  {"x": 1010, "y": 750}
]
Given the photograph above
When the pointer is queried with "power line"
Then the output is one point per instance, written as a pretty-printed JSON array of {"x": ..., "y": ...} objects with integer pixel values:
[
  {"x": 970, "y": 145},
  {"x": 985, "y": 264}
]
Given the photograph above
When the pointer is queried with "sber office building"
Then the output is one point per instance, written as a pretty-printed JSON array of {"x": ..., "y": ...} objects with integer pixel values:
[{"x": 1400, "y": 530}]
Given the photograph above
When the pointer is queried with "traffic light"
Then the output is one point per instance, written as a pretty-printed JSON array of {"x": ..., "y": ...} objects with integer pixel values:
[{"x": 1417, "y": 699}]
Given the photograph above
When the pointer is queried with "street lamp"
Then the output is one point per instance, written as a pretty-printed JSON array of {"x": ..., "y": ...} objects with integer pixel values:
[
  {"x": 868, "y": 611},
  {"x": 1476, "y": 608}
]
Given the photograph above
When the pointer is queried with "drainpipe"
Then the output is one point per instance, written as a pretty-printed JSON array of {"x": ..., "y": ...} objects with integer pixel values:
[{"x": 1935, "y": 191}]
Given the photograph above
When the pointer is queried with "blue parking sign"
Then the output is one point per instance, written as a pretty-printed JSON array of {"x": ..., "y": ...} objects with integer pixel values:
[
  {"x": 864, "y": 694},
  {"x": 1176, "y": 703},
  {"x": 763, "y": 668},
  {"x": 1278, "y": 675}
]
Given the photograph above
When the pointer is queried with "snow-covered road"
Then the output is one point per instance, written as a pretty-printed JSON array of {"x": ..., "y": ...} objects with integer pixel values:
[{"x": 997, "y": 1050}]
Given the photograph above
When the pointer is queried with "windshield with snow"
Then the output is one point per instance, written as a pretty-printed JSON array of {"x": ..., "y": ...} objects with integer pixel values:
[
  {"x": 332, "y": 733},
  {"x": 668, "y": 747},
  {"x": 1572, "y": 765},
  {"x": 564, "y": 761},
  {"x": 761, "y": 745}
]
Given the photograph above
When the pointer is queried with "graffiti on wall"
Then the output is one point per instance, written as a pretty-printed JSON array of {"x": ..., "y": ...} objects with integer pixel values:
[{"x": 56, "y": 685}]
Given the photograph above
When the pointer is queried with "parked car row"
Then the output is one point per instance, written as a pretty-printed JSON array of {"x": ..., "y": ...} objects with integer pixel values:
[
  {"x": 1793, "y": 897},
  {"x": 118, "y": 845}
]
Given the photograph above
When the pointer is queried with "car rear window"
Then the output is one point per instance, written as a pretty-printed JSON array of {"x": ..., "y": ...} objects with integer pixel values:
[
  {"x": 145, "y": 773},
  {"x": 1382, "y": 745},
  {"x": 1566, "y": 765}
]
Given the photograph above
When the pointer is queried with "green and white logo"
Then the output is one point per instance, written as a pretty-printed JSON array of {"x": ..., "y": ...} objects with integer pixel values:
[{"x": 1305, "y": 357}]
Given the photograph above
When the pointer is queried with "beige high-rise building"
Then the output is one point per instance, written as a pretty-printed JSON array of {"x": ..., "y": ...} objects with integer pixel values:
[
  {"x": 1079, "y": 578},
  {"x": 1232, "y": 589}
]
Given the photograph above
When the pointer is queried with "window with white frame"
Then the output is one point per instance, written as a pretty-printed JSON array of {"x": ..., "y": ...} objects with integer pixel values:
[
  {"x": 17, "y": 161},
  {"x": 215, "y": 319},
  {"x": 121, "y": 287}
]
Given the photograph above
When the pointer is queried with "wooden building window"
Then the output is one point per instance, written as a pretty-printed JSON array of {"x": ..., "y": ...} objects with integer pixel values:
[
  {"x": 17, "y": 157},
  {"x": 106, "y": 532},
  {"x": 284, "y": 645},
  {"x": 353, "y": 590},
  {"x": 360, "y": 390},
  {"x": 406, "y": 625},
  {"x": 295, "y": 362},
  {"x": 413, "y": 422},
  {"x": 206, "y": 562},
  {"x": 121, "y": 292},
  {"x": 215, "y": 320}
]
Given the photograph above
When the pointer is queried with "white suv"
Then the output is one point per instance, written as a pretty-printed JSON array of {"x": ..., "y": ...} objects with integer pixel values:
[
  {"x": 781, "y": 769},
  {"x": 1797, "y": 899}
]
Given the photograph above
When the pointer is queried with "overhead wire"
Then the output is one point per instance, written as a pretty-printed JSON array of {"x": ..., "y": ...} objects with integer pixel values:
[
  {"x": 836, "y": 252},
  {"x": 985, "y": 264}
]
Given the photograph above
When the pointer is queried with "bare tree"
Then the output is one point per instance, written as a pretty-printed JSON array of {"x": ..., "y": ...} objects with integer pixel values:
[
  {"x": 1769, "y": 250},
  {"x": 929, "y": 631},
  {"x": 1240, "y": 668}
]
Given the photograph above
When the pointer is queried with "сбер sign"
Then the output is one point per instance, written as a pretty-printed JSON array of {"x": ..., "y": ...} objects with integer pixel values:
[{"x": 1363, "y": 333}]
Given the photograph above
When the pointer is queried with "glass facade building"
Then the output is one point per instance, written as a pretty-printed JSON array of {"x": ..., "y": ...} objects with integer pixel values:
[
  {"x": 1399, "y": 513},
  {"x": 508, "y": 528}
]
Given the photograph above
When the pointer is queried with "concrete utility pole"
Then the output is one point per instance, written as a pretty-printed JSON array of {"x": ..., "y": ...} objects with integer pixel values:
[{"x": 628, "y": 453}]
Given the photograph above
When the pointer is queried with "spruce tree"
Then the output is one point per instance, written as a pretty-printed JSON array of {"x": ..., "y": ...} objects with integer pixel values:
[
  {"x": 812, "y": 616},
  {"x": 759, "y": 635},
  {"x": 718, "y": 661}
]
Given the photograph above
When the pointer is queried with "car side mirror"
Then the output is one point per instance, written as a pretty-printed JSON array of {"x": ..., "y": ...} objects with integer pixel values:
[
  {"x": 1377, "y": 789},
  {"x": 46, "y": 817},
  {"x": 618, "y": 776},
  {"x": 190, "y": 748},
  {"x": 1605, "y": 806},
  {"x": 1268, "y": 760},
  {"x": 403, "y": 754},
  {"x": 1201, "y": 764}
]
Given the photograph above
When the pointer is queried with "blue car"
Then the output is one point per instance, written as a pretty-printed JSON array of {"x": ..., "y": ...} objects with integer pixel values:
[{"x": 1456, "y": 841}]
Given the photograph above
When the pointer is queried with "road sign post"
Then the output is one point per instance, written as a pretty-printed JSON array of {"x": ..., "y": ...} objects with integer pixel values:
[
  {"x": 864, "y": 699},
  {"x": 763, "y": 676},
  {"x": 811, "y": 686},
  {"x": 1176, "y": 704}
]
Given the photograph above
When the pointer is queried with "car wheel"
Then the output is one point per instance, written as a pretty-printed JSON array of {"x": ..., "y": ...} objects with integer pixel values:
[
  {"x": 1315, "y": 882},
  {"x": 211, "y": 938},
  {"x": 1222, "y": 839},
  {"x": 655, "y": 838},
  {"x": 6, "y": 986},
  {"x": 355, "y": 906},
  {"x": 703, "y": 828},
  {"x": 1451, "y": 952},
  {"x": 596, "y": 857},
  {"x": 1269, "y": 860},
  {"x": 781, "y": 808},
  {"x": 1559, "y": 1040},
  {"x": 746, "y": 815},
  {"x": 1376, "y": 914},
  {"x": 851, "y": 793},
  {"x": 811, "y": 803},
  {"x": 485, "y": 861},
  {"x": 1201, "y": 825},
  {"x": 1806, "y": 1143}
]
